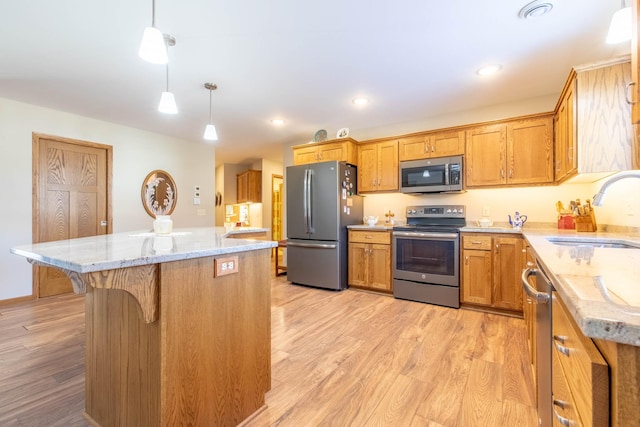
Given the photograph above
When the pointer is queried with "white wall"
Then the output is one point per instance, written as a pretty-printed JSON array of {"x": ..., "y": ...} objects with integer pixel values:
[{"x": 135, "y": 154}]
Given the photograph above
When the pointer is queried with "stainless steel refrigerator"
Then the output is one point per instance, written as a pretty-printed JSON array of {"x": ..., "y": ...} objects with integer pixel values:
[{"x": 321, "y": 202}]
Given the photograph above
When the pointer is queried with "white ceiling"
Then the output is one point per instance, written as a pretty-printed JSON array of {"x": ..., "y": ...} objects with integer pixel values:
[{"x": 298, "y": 60}]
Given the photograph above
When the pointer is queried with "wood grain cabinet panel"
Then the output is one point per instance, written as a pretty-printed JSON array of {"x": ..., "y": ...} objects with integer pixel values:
[
  {"x": 342, "y": 150},
  {"x": 585, "y": 370},
  {"x": 432, "y": 144},
  {"x": 378, "y": 166},
  {"x": 518, "y": 152},
  {"x": 491, "y": 268},
  {"x": 249, "y": 186},
  {"x": 369, "y": 260},
  {"x": 594, "y": 134}
]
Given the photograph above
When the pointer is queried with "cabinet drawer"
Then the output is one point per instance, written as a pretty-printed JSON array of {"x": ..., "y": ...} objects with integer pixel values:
[
  {"x": 585, "y": 370},
  {"x": 564, "y": 408},
  {"x": 379, "y": 237},
  {"x": 476, "y": 242}
]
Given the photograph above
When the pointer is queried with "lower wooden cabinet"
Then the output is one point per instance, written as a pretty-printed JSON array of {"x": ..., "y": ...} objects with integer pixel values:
[
  {"x": 370, "y": 260},
  {"x": 491, "y": 269},
  {"x": 580, "y": 379}
]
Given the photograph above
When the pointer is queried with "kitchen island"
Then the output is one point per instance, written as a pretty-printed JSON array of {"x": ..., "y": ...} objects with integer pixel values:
[
  {"x": 599, "y": 287},
  {"x": 177, "y": 326}
]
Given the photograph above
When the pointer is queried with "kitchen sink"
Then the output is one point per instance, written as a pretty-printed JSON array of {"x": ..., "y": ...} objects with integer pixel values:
[{"x": 594, "y": 243}]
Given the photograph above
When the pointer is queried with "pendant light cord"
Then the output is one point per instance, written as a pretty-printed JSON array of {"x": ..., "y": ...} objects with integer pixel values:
[
  {"x": 210, "y": 106},
  {"x": 167, "y": 77},
  {"x": 153, "y": 13}
]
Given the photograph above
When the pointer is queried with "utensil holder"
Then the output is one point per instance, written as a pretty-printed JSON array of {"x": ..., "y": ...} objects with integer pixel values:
[{"x": 586, "y": 222}]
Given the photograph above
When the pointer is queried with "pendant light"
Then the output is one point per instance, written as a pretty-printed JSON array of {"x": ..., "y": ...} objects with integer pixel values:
[
  {"x": 167, "y": 100},
  {"x": 620, "y": 28},
  {"x": 153, "y": 47},
  {"x": 210, "y": 133}
]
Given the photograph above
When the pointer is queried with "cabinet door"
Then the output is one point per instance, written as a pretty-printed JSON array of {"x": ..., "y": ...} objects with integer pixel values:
[
  {"x": 357, "y": 269},
  {"x": 241, "y": 187},
  {"x": 507, "y": 269},
  {"x": 486, "y": 156},
  {"x": 334, "y": 151},
  {"x": 530, "y": 151},
  {"x": 446, "y": 144},
  {"x": 305, "y": 155},
  {"x": 387, "y": 166},
  {"x": 413, "y": 148},
  {"x": 566, "y": 143},
  {"x": 635, "y": 64},
  {"x": 476, "y": 277},
  {"x": 367, "y": 167},
  {"x": 379, "y": 267}
]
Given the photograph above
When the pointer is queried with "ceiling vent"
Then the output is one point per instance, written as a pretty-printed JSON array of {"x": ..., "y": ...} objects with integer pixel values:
[{"x": 535, "y": 9}]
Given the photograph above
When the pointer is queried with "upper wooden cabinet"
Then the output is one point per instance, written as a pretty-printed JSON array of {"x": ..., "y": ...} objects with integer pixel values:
[
  {"x": 435, "y": 144},
  {"x": 635, "y": 63},
  {"x": 378, "y": 166},
  {"x": 343, "y": 149},
  {"x": 249, "y": 186},
  {"x": 594, "y": 134},
  {"x": 566, "y": 150},
  {"x": 515, "y": 152}
]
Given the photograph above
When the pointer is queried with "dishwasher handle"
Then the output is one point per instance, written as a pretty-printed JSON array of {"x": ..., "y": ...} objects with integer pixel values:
[{"x": 536, "y": 296}]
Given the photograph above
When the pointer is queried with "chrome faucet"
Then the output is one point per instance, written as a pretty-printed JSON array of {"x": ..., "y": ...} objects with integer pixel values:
[{"x": 599, "y": 197}]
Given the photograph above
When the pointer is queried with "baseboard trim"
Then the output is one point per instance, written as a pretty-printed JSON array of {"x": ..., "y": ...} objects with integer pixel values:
[{"x": 11, "y": 301}]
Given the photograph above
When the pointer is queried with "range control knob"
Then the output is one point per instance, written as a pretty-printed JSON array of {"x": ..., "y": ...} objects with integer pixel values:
[{"x": 448, "y": 210}]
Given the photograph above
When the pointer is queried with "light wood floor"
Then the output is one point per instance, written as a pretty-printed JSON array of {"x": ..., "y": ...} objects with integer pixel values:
[{"x": 346, "y": 358}]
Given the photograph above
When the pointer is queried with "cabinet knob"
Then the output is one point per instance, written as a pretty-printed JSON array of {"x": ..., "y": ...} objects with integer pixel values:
[{"x": 466, "y": 260}]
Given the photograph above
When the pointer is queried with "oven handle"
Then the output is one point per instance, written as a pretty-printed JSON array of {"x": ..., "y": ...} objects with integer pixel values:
[{"x": 425, "y": 235}]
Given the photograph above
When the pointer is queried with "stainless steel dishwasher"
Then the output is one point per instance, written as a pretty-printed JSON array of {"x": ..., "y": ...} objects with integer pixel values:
[{"x": 539, "y": 293}]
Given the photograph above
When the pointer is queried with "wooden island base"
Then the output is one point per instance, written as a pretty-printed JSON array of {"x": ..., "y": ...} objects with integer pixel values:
[{"x": 202, "y": 359}]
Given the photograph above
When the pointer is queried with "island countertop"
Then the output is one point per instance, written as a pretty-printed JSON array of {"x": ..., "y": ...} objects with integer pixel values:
[
  {"x": 135, "y": 248},
  {"x": 599, "y": 286}
]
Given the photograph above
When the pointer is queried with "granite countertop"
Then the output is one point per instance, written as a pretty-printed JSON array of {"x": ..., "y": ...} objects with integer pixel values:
[
  {"x": 129, "y": 249},
  {"x": 240, "y": 230},
  {"x": 607, "y": 308}
]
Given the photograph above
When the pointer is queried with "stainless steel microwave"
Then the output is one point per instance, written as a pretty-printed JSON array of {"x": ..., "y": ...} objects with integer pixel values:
[{"x": 435, "y": 175}]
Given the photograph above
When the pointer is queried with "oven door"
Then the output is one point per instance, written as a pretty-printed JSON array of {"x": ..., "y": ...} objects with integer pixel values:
[{"x": 426, "y": 257}]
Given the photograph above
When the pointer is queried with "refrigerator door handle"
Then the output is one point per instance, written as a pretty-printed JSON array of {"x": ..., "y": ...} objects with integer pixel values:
[
  {"x": 305, "y": 208},
  {"x": 308, "y": 190},
  {"x": 312, "y": 245}
]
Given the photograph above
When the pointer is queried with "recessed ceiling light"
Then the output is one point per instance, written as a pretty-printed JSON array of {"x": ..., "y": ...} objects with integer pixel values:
[
  {"x": 489, "y": 70},
  {"x": 535, "y": 9},
  {"x": 277, "y": 122},
  {"x": 360, "y": 101}
]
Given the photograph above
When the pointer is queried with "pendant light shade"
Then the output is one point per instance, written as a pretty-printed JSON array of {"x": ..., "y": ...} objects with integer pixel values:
[
  {"x": 167, "y": 100},
  {"x": 620, "y": 28},
  {"x": 210, "y": 133},
  {"x": 168, "y": 103},
  {"x": 153, "y": 48}
]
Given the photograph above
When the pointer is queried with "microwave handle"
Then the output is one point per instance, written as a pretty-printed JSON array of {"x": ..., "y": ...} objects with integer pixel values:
[{"x": 446, "y": 174}]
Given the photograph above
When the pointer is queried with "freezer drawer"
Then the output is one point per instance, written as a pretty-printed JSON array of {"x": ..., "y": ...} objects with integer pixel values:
[{"x": 321, "y": 264}]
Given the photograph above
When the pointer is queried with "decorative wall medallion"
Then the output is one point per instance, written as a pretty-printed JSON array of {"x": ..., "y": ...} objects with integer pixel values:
[{"x": 159, "y": 193}]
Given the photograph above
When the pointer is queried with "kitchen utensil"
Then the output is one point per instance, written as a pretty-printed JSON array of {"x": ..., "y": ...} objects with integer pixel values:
[
  {"x": 518, "y": 220},
  {"x": 370, "y": 220},
  {"x": 484, "y": 222}
]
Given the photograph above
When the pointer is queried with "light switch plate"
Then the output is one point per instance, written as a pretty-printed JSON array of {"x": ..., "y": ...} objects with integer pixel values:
[{"x": 226, "y": 265}]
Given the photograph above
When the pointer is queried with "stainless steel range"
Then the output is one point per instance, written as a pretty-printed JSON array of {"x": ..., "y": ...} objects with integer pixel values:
[{"x": 427, "y": 255}]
